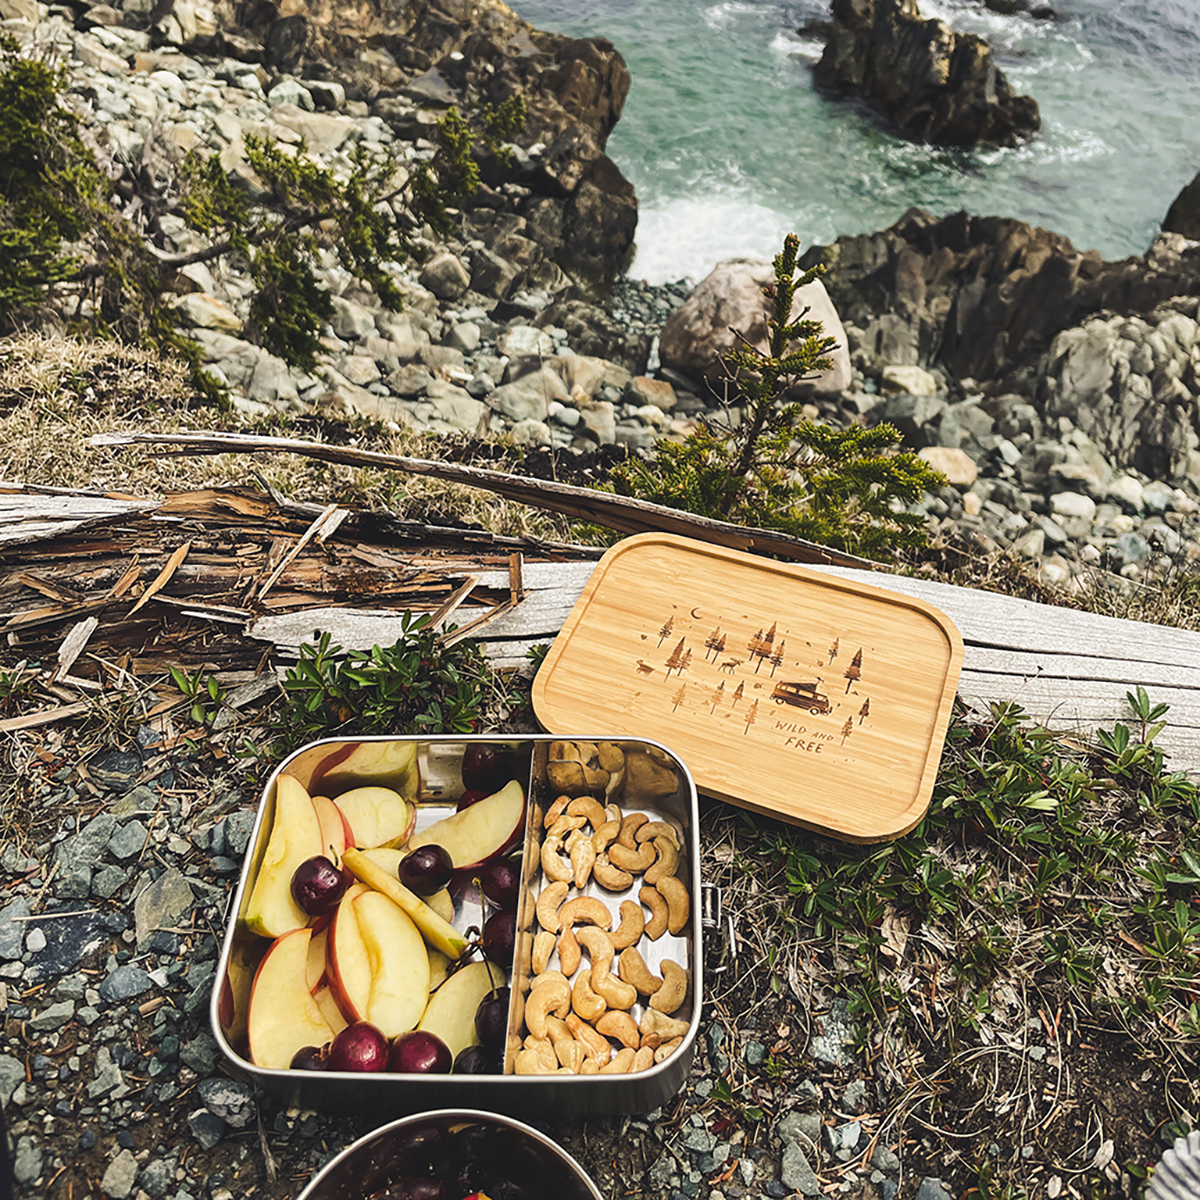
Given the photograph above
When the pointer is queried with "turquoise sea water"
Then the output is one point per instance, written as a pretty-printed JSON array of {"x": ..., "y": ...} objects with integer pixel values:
[{"x": 729, "y": 146}]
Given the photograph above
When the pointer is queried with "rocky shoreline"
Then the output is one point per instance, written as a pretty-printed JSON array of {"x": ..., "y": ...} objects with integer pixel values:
[{"x": 1056, "y": 391}]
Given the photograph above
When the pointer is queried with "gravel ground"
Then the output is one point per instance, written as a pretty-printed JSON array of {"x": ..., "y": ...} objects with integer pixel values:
[{"x": 115, "y": 875}]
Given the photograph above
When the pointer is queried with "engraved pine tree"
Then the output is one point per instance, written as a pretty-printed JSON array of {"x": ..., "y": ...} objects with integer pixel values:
[
  {"x": 847, "y": 729},
  {"x": 854, "y": 670},
  {"x": 865, "y": 711},
  {"x": 714, "y": 642},
  {"x": 763, "y": 646},
  {"x": 751, "y": 716},
  {"x": 715, "y": 698},
  {"x": 741, "y": 687},
  {"x": 777, "y": 658},
  {"x": 675, "y": 662},
  {"x": 678, "y": 697},
  {"x": 665, "y": 631},
  {"x": 833, "y": 650}
]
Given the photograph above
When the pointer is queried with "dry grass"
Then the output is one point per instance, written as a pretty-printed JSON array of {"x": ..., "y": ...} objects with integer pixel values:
[{"x": 55, "y": 394}]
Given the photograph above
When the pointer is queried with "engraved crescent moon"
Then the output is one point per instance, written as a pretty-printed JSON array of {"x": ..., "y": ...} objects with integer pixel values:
[{"x": 696, "y": 614}]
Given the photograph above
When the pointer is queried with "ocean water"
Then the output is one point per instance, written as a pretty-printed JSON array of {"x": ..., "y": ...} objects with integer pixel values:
[{"x": 730, "y": 147}]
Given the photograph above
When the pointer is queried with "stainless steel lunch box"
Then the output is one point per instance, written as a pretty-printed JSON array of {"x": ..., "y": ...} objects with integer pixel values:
[{"x": 440, "y": 786}]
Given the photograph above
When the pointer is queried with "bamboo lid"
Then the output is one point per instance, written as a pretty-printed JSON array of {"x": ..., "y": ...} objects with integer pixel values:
[{"x": 812, "y": 699}]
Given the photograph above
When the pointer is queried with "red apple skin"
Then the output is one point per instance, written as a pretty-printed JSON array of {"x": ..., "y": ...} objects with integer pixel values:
[{"x": 473, "y": 796}]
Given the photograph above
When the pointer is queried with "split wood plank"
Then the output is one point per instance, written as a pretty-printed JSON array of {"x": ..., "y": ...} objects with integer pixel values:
[{"x": 27, "y": 517}]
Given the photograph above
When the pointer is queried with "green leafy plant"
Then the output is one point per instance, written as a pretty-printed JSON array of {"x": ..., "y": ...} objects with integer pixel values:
[
  {"x": 52, "y": 192},
  {"x": 416, "y": 685},
  {"x": 845, "y": 488},
  {"x": 205, "y": 693}
]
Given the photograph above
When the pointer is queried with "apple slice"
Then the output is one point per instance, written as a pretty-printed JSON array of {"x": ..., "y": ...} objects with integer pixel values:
[
  {"x": 295, "y": 836},
  {"x": 283, "y": 1014},
  {"x": 329, "y": 1010},
  {"x": 439, "y": 933},
  {"x": 450, "y": 1013},
  {"x": 399, "y": 964},
  {"x": 347, "y": 968},
  {"x": 390, "y": 764},
  {"x": 234, "y": 1004},
  {"x": 491, "y": 827},
  {"x": 336, "y": 833},
  {"x": 316, "y": 957},
  {"x": 439, "y": 968},
  {"x": 377, "y": 816},
  {"x": 388, "y": 857}
]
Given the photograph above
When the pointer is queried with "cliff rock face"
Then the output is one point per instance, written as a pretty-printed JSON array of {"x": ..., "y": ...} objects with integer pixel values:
[
  {"x": 464, "y": 53},
  {"x": 1183, "y": 217},
  {"x": 934, "y": 84}
]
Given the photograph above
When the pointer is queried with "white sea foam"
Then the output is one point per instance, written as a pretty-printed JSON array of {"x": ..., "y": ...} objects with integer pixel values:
[
  {"x": 722, "y": 16},
  {"x": 687, "y": 236}
]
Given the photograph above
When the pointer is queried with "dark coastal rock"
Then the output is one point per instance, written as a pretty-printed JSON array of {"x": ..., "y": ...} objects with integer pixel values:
[
  {"x": 1183, "y": 217},
  {"x": 983, "y": 297},
  {"x": 730, "y": 297},
  {"x": 934, "y": 84}
]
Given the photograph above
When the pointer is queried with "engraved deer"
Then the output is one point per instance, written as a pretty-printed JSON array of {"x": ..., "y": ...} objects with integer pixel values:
[
  {"x": 728, "y": 665},
  {"x": 644, "y": 668}
]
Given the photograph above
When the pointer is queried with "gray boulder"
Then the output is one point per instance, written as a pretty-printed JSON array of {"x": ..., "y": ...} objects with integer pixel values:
[{"x": 697, "y": 334}]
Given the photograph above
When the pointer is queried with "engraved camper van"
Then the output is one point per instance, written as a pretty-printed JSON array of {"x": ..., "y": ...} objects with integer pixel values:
[{"x": 802, "y": 695}]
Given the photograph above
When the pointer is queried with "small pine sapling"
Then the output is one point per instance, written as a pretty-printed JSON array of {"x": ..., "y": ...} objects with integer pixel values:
[{"x": 844, "y": 488}]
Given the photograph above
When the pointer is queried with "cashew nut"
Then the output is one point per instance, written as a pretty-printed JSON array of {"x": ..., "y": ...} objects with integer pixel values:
[
  {"x": 536, "y": 1058},
  {"x": 633, "y": 921},
  {"x": 667, "y": 862},
  {"x": 653, "y": 900},
  {"x": 674, "y": 989},
  {"x": 619, "y": 1025},
  {"x": 569, "y": 954},
  {"x": 570, "y": 1052},
  {"x": 584, "y": 1001},
  {"x": 585, "y": 909},
  {"x": 615, "y": 992},
  {"x": 620, "y": 1063},
  {"x": 588, "y": 808},
  {"x": 597, "y": 1046},
  {"x": 631, "y": 966},
  {"x": 655, "y": 1022},
  {"x": 606, "y": 834},
  {"x": 551, "y": 997},
  {"x": 632, "y": 860},
  {"x": 610, "y": 877},
  {"x": 583, "y": 856},
  {"x": 554, "y": 866},
  {"x": 655, "y": 829},
  {"x": 551, "y": 896},
  {"x": 643, "y": 1060},
  {"x": 565, "y": 824},
  {"x": 663, "y": 1052},
  {"x": 548, "y": 977},
  {"x": 543, "y": 947},
  {"x": 591, "y": 1066},
  {"x": 629, "y": 827},
  {"x": 678, "y": 904},
  {"x": 555, "y": 811}
]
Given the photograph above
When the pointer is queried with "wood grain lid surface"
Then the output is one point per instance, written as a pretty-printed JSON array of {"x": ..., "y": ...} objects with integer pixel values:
[{"x": 812, "y": 699}]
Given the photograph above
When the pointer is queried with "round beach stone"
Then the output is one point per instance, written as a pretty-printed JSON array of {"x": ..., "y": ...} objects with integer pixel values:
[
  {"x": 1073, "y": 504},
  {"x": 957, "y": 466}
]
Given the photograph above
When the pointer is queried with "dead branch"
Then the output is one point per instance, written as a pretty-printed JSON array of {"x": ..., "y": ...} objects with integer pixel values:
[{"x": 622, "y": 513}]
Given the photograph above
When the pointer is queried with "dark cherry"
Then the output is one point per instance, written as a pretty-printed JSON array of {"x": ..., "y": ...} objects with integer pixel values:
[
  {"x": 318, "y": 885},
  {"x": 426, "y": 870}
]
